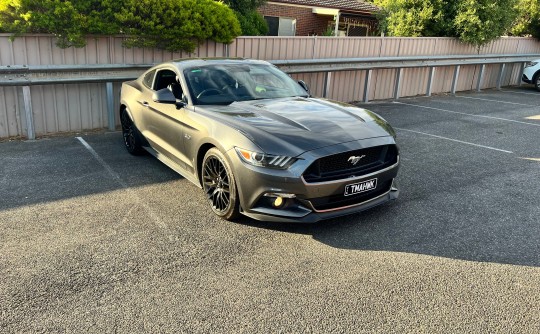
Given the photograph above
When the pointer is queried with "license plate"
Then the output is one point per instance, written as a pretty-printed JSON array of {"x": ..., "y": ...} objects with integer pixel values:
[{"x": 356, "y": 188}]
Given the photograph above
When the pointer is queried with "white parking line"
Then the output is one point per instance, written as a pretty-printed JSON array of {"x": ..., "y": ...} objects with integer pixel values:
[
  {"x": 124, "y": 185},
  {"x": 455, "y": 140},
  {"x": 517, "y": 92},
  {"x": 498, "y": 101},
  {"x": 467, "y": 114}
]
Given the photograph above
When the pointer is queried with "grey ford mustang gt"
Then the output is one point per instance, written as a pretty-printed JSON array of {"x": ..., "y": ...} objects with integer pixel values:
[{"x": 256, "y": 142}]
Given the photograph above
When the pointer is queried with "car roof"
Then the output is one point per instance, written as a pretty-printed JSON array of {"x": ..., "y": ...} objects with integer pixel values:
[{"x": 195, "y": 62}]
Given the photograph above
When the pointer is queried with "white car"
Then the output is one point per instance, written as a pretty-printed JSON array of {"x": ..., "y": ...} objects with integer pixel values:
[{"x": 531, "y": 73}]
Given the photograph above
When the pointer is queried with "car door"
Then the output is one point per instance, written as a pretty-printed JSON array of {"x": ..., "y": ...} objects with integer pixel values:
[{"x": 163, "y": 123}]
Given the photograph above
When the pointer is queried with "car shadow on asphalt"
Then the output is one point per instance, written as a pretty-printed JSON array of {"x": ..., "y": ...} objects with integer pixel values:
[
  {"x": 384, "y": 228},
  {"x": 47, "y": 170}
]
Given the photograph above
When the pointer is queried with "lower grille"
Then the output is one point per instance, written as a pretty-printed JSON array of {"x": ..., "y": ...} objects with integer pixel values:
[
  {"x": 340, "y": 166},
  {"x": 340, "y": 201}
]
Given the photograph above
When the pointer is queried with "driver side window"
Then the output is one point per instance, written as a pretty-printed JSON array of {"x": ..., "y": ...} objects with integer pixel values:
[{"x": 168, "y": 79}]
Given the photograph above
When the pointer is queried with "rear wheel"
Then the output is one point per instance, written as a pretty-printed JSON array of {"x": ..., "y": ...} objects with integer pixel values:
[
  {"x": 132, "y": 137},
  {"x": 536, "y": 81},
  {"x": 219, "y": 185}
]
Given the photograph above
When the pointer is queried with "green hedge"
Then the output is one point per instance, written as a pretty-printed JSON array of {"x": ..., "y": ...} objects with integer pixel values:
[
  {"x": 475, "y": 22},
  {"x": 173, "y": 25}
]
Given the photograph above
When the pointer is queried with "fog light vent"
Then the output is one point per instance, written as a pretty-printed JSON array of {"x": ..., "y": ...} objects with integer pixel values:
[{"x": 279, "y": 200}]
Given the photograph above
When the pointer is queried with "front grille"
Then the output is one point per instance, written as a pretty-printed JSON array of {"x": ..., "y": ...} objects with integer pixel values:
[
  {"x": 340, "y": 201},
  {"x": 338, "y": 166}
]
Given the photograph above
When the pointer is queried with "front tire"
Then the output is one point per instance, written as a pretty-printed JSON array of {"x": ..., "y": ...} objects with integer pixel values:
[
  {"x": 218, "y": 183},
  {"x": 132, "y": 137}
]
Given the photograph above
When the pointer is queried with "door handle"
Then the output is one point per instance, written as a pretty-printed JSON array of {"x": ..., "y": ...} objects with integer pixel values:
[{"x": 144, "y": 103}]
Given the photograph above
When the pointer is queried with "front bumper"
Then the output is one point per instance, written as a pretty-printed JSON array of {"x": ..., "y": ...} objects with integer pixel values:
[
  {"x": 314, "y": 216},
  {"x": 312, "y": 202}
]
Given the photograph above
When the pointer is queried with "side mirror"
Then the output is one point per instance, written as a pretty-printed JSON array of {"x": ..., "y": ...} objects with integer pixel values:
[
  {"x": 164, "y": 96},
  {"x": 304, "y": 85},
  {"x": 167, "y": 97}
]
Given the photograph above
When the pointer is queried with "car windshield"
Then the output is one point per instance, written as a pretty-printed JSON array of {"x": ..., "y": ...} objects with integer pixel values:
[{"x": 228, "y": 83}]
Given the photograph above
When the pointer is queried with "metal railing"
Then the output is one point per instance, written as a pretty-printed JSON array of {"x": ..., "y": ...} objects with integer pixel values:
[
  {"x": 399, "y": 63},
  {"x": 26, "y": 76}
]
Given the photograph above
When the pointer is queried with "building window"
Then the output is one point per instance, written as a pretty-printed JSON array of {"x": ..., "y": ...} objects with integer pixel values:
[{"x": 281, "y": 26}]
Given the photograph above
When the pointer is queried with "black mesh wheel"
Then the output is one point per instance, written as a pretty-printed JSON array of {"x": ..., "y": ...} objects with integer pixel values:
[
  {"x": 219, "y": 185},
  {"x": 132, "y": 139}
]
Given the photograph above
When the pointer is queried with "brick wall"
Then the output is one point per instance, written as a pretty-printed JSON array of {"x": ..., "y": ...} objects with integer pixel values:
[{"x": 307, "y": 23}]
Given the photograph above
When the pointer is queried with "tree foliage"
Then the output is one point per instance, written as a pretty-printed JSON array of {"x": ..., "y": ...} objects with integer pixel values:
[
  {"x": 534, "y": 28},
  {"x": 244, "y": 6},
  {"x": 481, "y": 21},
  {"x": 413, "y": 18},
  {"x": 177, "y": 25},
  {"x": 168, "y": 24},
  {"x": 528, "y": 18},
  {"x": 472, "y": 21},
  {"x": 527, "y": 11},
  {"x": 252, "y": 22},
  {"x": 3, "y": 8},
  {"x": 69, "y": 21}
]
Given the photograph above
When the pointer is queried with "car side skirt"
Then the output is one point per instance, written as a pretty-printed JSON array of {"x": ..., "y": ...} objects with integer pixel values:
[{"x": 174, "y": 166}]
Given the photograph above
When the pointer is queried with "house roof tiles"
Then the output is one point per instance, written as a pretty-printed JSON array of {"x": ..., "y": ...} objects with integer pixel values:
[{"x": 354, "y": 5}]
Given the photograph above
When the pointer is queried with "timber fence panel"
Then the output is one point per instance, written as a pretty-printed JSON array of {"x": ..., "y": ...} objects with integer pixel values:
[
  {"x": 467, "y": 78},
  {"x": 416, "y": 46},
  {"x": 442, "y": 81},
  {"x": 390, "y": 47},
  {"x": 528, "y": 45},
  {"x": 272, "y": 48},
  {"x": 453, "y": 46},
  {"x": 367, "y": 47},
  {"x": 503, "y": 45},
  {"x": 383, "y": 82},
  {"x": 513, "y": 74},
  {"x": 10, "y": 122},
  {"x": 346, "y": 86},
  {"x": 491, "y": 74},
  {"x": 414, "y": 81},
  {"x": 6, "y": 50},
  {"x": 326, "y": 48}
]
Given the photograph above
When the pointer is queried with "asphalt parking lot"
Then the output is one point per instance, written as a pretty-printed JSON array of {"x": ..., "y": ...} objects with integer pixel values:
[{"x": 95, "y": 240}]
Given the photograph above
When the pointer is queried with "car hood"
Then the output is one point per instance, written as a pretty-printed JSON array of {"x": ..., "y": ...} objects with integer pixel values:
[{"x": 295, "y": 125}]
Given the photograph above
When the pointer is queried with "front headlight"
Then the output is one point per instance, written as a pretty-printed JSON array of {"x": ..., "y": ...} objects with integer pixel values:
[
  {"x": 265, "y": 160},
  {"x": 531, "y": 63}
]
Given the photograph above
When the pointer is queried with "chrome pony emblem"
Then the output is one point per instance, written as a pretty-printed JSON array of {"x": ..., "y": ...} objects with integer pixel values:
[{"x": 354, "y": 160}]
